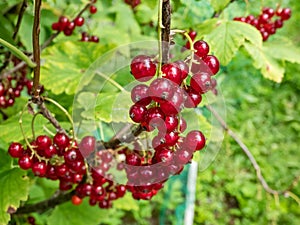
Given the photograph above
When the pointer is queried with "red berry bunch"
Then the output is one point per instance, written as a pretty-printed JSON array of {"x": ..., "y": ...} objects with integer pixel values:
[
  {"x": 158, "y": 106},
  {"x": 86, "y": 38},
  {"x": 133, "y": 3},
  {"x": 268, "y": 21},
  {"x": 56, "y": 159},
  {"x": 12, "y": 86},
  {"x": 67, "y": 26}
]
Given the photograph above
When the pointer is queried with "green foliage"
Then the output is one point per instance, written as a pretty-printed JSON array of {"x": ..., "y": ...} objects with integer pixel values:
[
  {"x": 14, "y": 188},
  {"x": 263, "y": 113}
]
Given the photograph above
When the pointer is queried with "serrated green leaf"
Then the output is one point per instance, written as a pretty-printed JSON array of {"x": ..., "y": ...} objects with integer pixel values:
[
  {"x": 10, "y": 128},
  {"x": 14, "y": 188},
  {"x": 263, "y": 60},
  {"x": 69, "y": 214},
  {"x": 113, "y": 107},
  {"x": 229, "y": 36},
  {"x": 5, "y": 159},
  {"x": 65, "y": 63},
  {"x": 283, "y": 49}
]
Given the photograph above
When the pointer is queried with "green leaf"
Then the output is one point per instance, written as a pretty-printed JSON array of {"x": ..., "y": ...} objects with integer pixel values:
[
  {"x": 266, "y": 62},
  {"x": 10, "y": 128},
  {"x": 113, "y": 107},
  {"x": 219, "y": 4},
  {"x": 65, "y": 64},
  {"x": 283, "y": 49},
  {"x": 14, "y": 188},
  {"x": 229, "y": 36},
  {"x": 84, "y": 214}
]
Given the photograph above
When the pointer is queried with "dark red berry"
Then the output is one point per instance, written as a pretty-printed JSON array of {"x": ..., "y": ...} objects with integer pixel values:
[
  {"x": 183, "y": 67},
  {"x": 161, "y": 89},
  {"x": 171, "y": 123},
  {"x": 213, "y": 63},
  {"x": 195, "y": 140},
  {"x": 63, "y": 23},
  {"x": 202, "y": 48},
  {"x": 284, "y": 13},
  {"x": 153, "y": 118},
  {"x": 172, "y": 72},
  {"x": 192, "y": 34},
  {"x": 79, "y": 21},
  {"x": 61, "y": 140},
  {"x": 87, "y": 145},
  {"x": 137, "y": 113},
  {"x": 133, "y": 159},
  {"x": 193, "y": 98},
  {"x": 142, "y": 68},
  {"x": 55, "y": 26},
  {"x": 139, "y": 94},
  {"x": 93, "y": 9},
  {"x": 15, "y": 150},
  {"x": 25, "y": 162},
  {"x": 43, "y": 142},
  {"x": 269, "y": 11},
  {"x": 201, "y": 82},
  {"x": 39, "y": 168},
  {"x": 278, "y": 23},
  {"x": 175, "y": 104},
  {"x": 94, "y": 39}
]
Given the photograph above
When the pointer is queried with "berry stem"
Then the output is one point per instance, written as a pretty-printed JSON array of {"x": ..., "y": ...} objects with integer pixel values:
[
  {"x": 64, "y": 111},
  {"x": 18, "y": 53},
  {"x": 111, "y": 81},
  {"x": 36, "y": 47},
  {"x": 40, "y": 207},
  {"x": 21, "y": 127},
  {"x": 16, "y": 30}
]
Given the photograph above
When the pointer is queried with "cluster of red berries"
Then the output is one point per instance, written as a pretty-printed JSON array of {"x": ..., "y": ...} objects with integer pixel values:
[
  {"x": 266, "y": 22},
  {"x": 133, "y": 3},
  {"x": 12, "y": 86},
  {"x": 86, "y": 38},
  {"x": 202, "y": 61},
  {"x": 158, "y": 106},
  {"x": 62, "y": 159},
  {"x": 67, "y": 27},
  {"x": 57, "y": 159}
]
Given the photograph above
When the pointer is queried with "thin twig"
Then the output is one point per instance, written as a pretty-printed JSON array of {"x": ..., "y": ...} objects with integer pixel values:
[
  {"x": 14, "y": 37},
  {"x": 218, "y": 13},
  {"x": 40, "y": 207},
  {"x": 36, "y": 48},
  {"x": 253, "y": 161}
]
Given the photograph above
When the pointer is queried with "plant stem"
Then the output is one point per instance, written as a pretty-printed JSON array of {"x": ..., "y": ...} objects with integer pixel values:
[
  {"x": 253, "y": 161},
  {"x": 17, "y": 53},
  {"x": 36, "y": 47},
  {"x": 43, "y": 206},
  {"x": 165, "y": 30}
]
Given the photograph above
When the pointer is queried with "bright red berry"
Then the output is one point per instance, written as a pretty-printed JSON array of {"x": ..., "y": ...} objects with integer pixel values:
[
  {"x": 79, "y": 21},
  {"x": 15, "y": 150},
  {"x": 142, "y": 68},
  {"x": 195, "y": 140},
  {"x": 93, "y": 9},
  {"x": 202, "y": 48},
  {"x": 213, "y": 63}
]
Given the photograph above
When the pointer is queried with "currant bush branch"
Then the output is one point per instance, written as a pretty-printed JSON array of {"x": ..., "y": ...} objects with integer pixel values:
[
  {"x": 16, "y": 30},
  {"x": 43, "y": 206},
  {"x": 44, "y": 45},
  {"x": 286, "y": 192}
]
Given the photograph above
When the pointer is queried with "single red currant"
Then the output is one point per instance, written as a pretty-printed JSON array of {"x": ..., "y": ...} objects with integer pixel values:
[
  {"x": 202, "y": 48},
  {"x": 142, "y": 68}
]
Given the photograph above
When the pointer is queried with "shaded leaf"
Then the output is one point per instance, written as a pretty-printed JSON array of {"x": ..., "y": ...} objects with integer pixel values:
[{"x": 14, "y": 188}]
